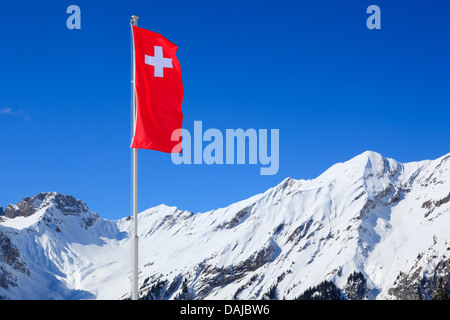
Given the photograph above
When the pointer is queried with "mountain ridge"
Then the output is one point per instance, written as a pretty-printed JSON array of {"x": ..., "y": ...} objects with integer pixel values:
[{"x": 368, "y": 228}]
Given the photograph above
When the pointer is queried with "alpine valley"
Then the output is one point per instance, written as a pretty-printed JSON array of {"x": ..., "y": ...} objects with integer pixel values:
[{"x": 369, "y": 228}]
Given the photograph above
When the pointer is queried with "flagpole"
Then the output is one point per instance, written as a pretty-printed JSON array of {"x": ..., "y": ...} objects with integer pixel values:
[{"x": 135, "y": 239}]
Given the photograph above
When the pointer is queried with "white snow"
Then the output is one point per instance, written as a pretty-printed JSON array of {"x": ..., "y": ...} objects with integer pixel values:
[{"x": 365, "y": 215}]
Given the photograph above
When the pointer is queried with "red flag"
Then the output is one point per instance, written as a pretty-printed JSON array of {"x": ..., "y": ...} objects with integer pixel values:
[{"x": 159, "y": 91}]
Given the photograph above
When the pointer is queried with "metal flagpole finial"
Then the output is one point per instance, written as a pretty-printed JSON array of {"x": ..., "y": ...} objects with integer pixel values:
[{"x": 134, "y": 18}]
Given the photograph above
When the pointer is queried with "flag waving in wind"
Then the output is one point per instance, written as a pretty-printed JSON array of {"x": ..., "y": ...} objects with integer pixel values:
[{"x": 159, "y": 91}]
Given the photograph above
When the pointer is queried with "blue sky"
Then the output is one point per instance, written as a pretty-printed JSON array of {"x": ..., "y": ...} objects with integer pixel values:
[{"x": 311, "y": 69}]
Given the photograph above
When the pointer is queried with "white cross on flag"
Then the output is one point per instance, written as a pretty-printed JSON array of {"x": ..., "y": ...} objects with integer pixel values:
[{"x": 159, "y": 62}]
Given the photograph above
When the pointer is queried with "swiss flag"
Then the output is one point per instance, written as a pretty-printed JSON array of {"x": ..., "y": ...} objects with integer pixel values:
[{"x": 159, "y": 92}]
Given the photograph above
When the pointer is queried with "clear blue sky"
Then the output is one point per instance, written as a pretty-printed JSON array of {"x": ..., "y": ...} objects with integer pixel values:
[{"x": 311, "y": 69}]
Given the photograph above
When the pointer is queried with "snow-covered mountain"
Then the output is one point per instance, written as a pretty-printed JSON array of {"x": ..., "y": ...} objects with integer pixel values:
[{"x": 369, "y": 228}]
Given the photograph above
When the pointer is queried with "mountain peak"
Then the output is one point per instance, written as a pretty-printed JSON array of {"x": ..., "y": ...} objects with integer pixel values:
[
  {"x": 367, "y": 157},
  {"x": 30, "y": 205},
  {"x": 365, "y": 165},
  {"x": 372, "y": 162}
]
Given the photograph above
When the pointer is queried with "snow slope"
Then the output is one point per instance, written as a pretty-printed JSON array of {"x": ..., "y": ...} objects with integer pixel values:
[{"x": 372, "y": 227}]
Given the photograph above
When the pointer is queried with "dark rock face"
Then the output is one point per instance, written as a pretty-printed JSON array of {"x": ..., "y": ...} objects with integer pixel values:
[
  {"x": 431, "y": 205},
  {"x": 9, "y": 254},
  {"x": 9, "y": 258},
  {"x": 161, "y": 289},
  {"x": 240, "y": 216},
  {"x": 25, "y": 208},
  {"x": 422, "y": 285},
  {"x": 68, "y": 205}
]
